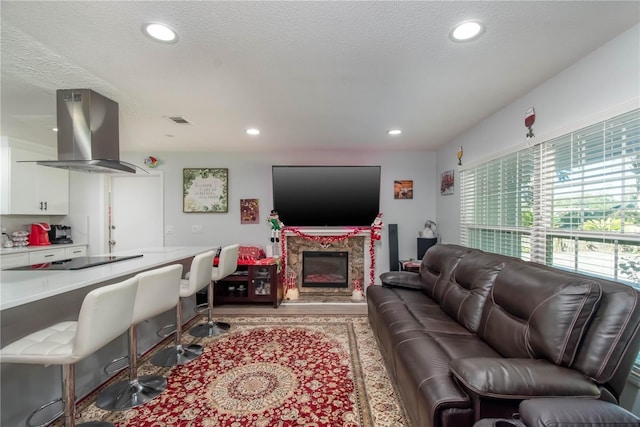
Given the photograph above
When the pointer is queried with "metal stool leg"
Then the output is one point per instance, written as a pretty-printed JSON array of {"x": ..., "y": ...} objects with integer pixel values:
[
  {"x": 68, "y": 398},
  {"x": 136, "y": 390},
  {"x": 211, "y": 328},
  {"x": 69, "y": 386},
  {"x": 178, "y": 354}
]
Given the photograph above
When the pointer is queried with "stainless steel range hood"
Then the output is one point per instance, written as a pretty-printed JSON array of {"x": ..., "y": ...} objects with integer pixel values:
[{"x": 88, "y": 133}]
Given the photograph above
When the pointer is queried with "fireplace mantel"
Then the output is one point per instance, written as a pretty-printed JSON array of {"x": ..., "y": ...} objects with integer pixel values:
[{"x": 328, "y": 231}]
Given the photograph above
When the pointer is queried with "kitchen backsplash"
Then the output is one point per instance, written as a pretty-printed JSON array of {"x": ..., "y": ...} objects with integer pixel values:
[{"x": 16, "y": 223}]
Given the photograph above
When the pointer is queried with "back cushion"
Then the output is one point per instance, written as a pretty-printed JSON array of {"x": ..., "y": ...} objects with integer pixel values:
[
  {"x": 437, "y": 264},
  {"x": 611, "y": 335},
  {"x": 536, "y": 312},
  {"x": 466, "y": 293}
]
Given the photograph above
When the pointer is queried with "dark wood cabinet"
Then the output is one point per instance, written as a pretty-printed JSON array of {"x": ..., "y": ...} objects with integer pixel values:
[{"x": 251, "y": 284}]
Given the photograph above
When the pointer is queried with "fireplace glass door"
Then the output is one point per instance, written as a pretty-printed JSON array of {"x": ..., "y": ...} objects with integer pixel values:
[{"x": 322, "y": 269}]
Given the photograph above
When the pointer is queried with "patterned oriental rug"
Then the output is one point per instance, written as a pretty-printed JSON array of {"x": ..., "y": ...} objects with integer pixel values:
[{"x": 272, "y": 371}]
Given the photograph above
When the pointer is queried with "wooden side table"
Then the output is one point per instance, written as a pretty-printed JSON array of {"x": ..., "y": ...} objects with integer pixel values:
[
  {"x": 409, "y": 265},
  {"x": 254, "y": 283}
]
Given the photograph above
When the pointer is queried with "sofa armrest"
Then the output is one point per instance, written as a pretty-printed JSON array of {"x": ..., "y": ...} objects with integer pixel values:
[
  {"x": 401, "y": 279},
  {"x": 571, "y": 412},
  {"x": 501, "y": 378}
]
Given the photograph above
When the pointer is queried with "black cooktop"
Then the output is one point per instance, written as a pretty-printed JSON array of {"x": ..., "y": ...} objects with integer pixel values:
[{"x": 77, "y": 263}]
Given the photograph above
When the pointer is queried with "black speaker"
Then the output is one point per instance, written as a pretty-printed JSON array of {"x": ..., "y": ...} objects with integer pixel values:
[
  {"x": 394, "y": 264},
  {"x": 424, "y": 244}
]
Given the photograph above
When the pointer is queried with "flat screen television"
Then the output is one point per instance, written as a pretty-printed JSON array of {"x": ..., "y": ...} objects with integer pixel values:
[{"x": 326, "y": 196}]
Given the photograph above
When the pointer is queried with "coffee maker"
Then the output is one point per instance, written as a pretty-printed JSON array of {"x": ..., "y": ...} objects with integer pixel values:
[
  {"x": 60, "y": 234},
  {"x": 39, "y": 235}
]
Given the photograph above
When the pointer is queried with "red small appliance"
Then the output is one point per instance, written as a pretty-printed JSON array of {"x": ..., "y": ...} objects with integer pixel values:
[{"x": 39, "y": 234}]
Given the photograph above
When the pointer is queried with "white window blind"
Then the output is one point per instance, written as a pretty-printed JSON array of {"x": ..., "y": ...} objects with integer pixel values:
[
  {"x": 496, "y": 207},
  {"x": 589, "y": 211}
]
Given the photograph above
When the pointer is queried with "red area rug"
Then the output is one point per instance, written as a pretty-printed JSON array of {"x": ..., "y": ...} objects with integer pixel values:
[{"x": 321, "y": 371}]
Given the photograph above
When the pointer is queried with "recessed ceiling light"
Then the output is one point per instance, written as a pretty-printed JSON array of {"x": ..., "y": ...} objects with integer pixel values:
[
  {"x": 160, "y": 32},
  {"x": 55, "y": 129},
  {"x": 253, "y": 131},
  {"x": 466, "y": 31},
  {"x": 394, "y": 132}
]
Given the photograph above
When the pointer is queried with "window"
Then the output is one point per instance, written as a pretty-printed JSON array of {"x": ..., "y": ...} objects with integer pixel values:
[{"x": 571, "y": 202}]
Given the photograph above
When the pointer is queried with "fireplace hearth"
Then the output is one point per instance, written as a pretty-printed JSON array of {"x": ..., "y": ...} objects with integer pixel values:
[{"x": 325, "y": 269}]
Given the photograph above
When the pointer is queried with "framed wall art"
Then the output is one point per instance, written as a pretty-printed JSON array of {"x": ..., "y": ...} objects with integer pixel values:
[
  {"x": 403, "y": 189},
  {"x": 205, "y": 190},
  {"x": 446, "y": 183},
  {"x": 249, "y": 211}
]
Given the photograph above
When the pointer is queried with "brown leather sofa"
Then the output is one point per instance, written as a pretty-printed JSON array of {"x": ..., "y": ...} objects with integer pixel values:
[{"x": 472, "y": 334}]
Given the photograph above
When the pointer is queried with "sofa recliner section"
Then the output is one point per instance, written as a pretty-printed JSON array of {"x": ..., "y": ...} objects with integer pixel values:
[{"x": 472, "y": 334}]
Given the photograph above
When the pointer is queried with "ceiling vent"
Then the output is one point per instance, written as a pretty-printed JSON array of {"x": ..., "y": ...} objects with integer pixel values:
[{"x": 179, "y": 120}]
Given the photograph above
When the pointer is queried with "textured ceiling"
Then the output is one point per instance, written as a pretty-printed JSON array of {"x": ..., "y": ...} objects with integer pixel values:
[{"x": 308, "y": 74}]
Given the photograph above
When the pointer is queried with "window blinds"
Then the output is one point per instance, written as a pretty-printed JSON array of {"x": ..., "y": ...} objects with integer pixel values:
[
  {"x": 587, "y": 206},
  {"x": 571, "y": 202},
  {"x": 497, "y": 205}
]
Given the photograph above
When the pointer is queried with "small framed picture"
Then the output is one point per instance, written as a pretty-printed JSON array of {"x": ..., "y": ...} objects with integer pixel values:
[
  {"x": 205, "y": 190},
  {"x": 403, "y": 189},
  {"x": 249, "y": 211},
  {"x": 446, "y": 183}
]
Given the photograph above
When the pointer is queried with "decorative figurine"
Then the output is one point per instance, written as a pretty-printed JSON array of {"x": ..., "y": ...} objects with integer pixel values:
[
  {"x": 357, "y": 294},
  {"x": 291, "y": 289},
  {"x": 429, "y": 231},
  {"x": 376, "y": 227},
  {"x": 276, "y": 225}
]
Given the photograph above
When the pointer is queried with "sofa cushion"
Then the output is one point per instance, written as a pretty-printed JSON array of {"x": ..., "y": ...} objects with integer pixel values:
[
  {"x": 502, "y": 378},
  {"x": 601, "y": 352},
  {"x": 437, "y": 265},
  {"x": 575, "y": 412},
  {"x": 424, "y": 381},
  {"x": 466, "y": 292},
  {"x": 401, "y": 279},
  {"x": 536, "y": 312}
]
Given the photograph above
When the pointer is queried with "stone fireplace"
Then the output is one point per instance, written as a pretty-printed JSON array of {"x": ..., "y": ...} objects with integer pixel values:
[{"x": 353, "y": 250}]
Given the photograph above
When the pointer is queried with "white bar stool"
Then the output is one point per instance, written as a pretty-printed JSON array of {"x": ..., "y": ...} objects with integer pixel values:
[
  {"x": 105, "y": 314},
  {"x": 199, "y": 276},
  {"x": 157, "y": 293},
  {"x": 227, "y": 264}
]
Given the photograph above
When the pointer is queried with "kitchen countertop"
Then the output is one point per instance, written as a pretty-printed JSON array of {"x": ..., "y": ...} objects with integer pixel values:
[{"x": 22, "y": 287}]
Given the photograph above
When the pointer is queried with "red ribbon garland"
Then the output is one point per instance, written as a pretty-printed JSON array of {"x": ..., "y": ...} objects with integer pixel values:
[{"x": 326, "y": 241}]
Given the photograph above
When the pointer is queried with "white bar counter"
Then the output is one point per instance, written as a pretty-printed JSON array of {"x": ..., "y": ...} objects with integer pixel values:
[
  {"x": 33, "y": 299},
  {"x": 19, "y": 287}
]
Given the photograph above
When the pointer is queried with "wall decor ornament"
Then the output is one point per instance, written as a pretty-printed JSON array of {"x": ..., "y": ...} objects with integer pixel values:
[
  {"x": 151, "y": 162},
  {"x": 403, "y": 189},
  {"x": 205, "y": 190},
  {"x": 529, "y": 120},
  {"x": 249, "y": 211},
  {"x": 446, "y": 183}
]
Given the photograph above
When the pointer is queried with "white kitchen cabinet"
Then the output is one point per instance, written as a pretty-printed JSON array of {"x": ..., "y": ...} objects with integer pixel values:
[
  {"x": 14, "y": 260},
  {"x": 75, "y": 252},
  {"x": 19, "y": 257},
  {"x": 28, "y": 188},
  {"x": 47, "y": 255}
]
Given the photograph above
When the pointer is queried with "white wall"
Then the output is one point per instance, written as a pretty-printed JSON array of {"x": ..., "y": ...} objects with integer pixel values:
[
  {"x": 598, "y": 86},
  {"x": 250, "y": 177},
  {"x": 602, "y": 84}
]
